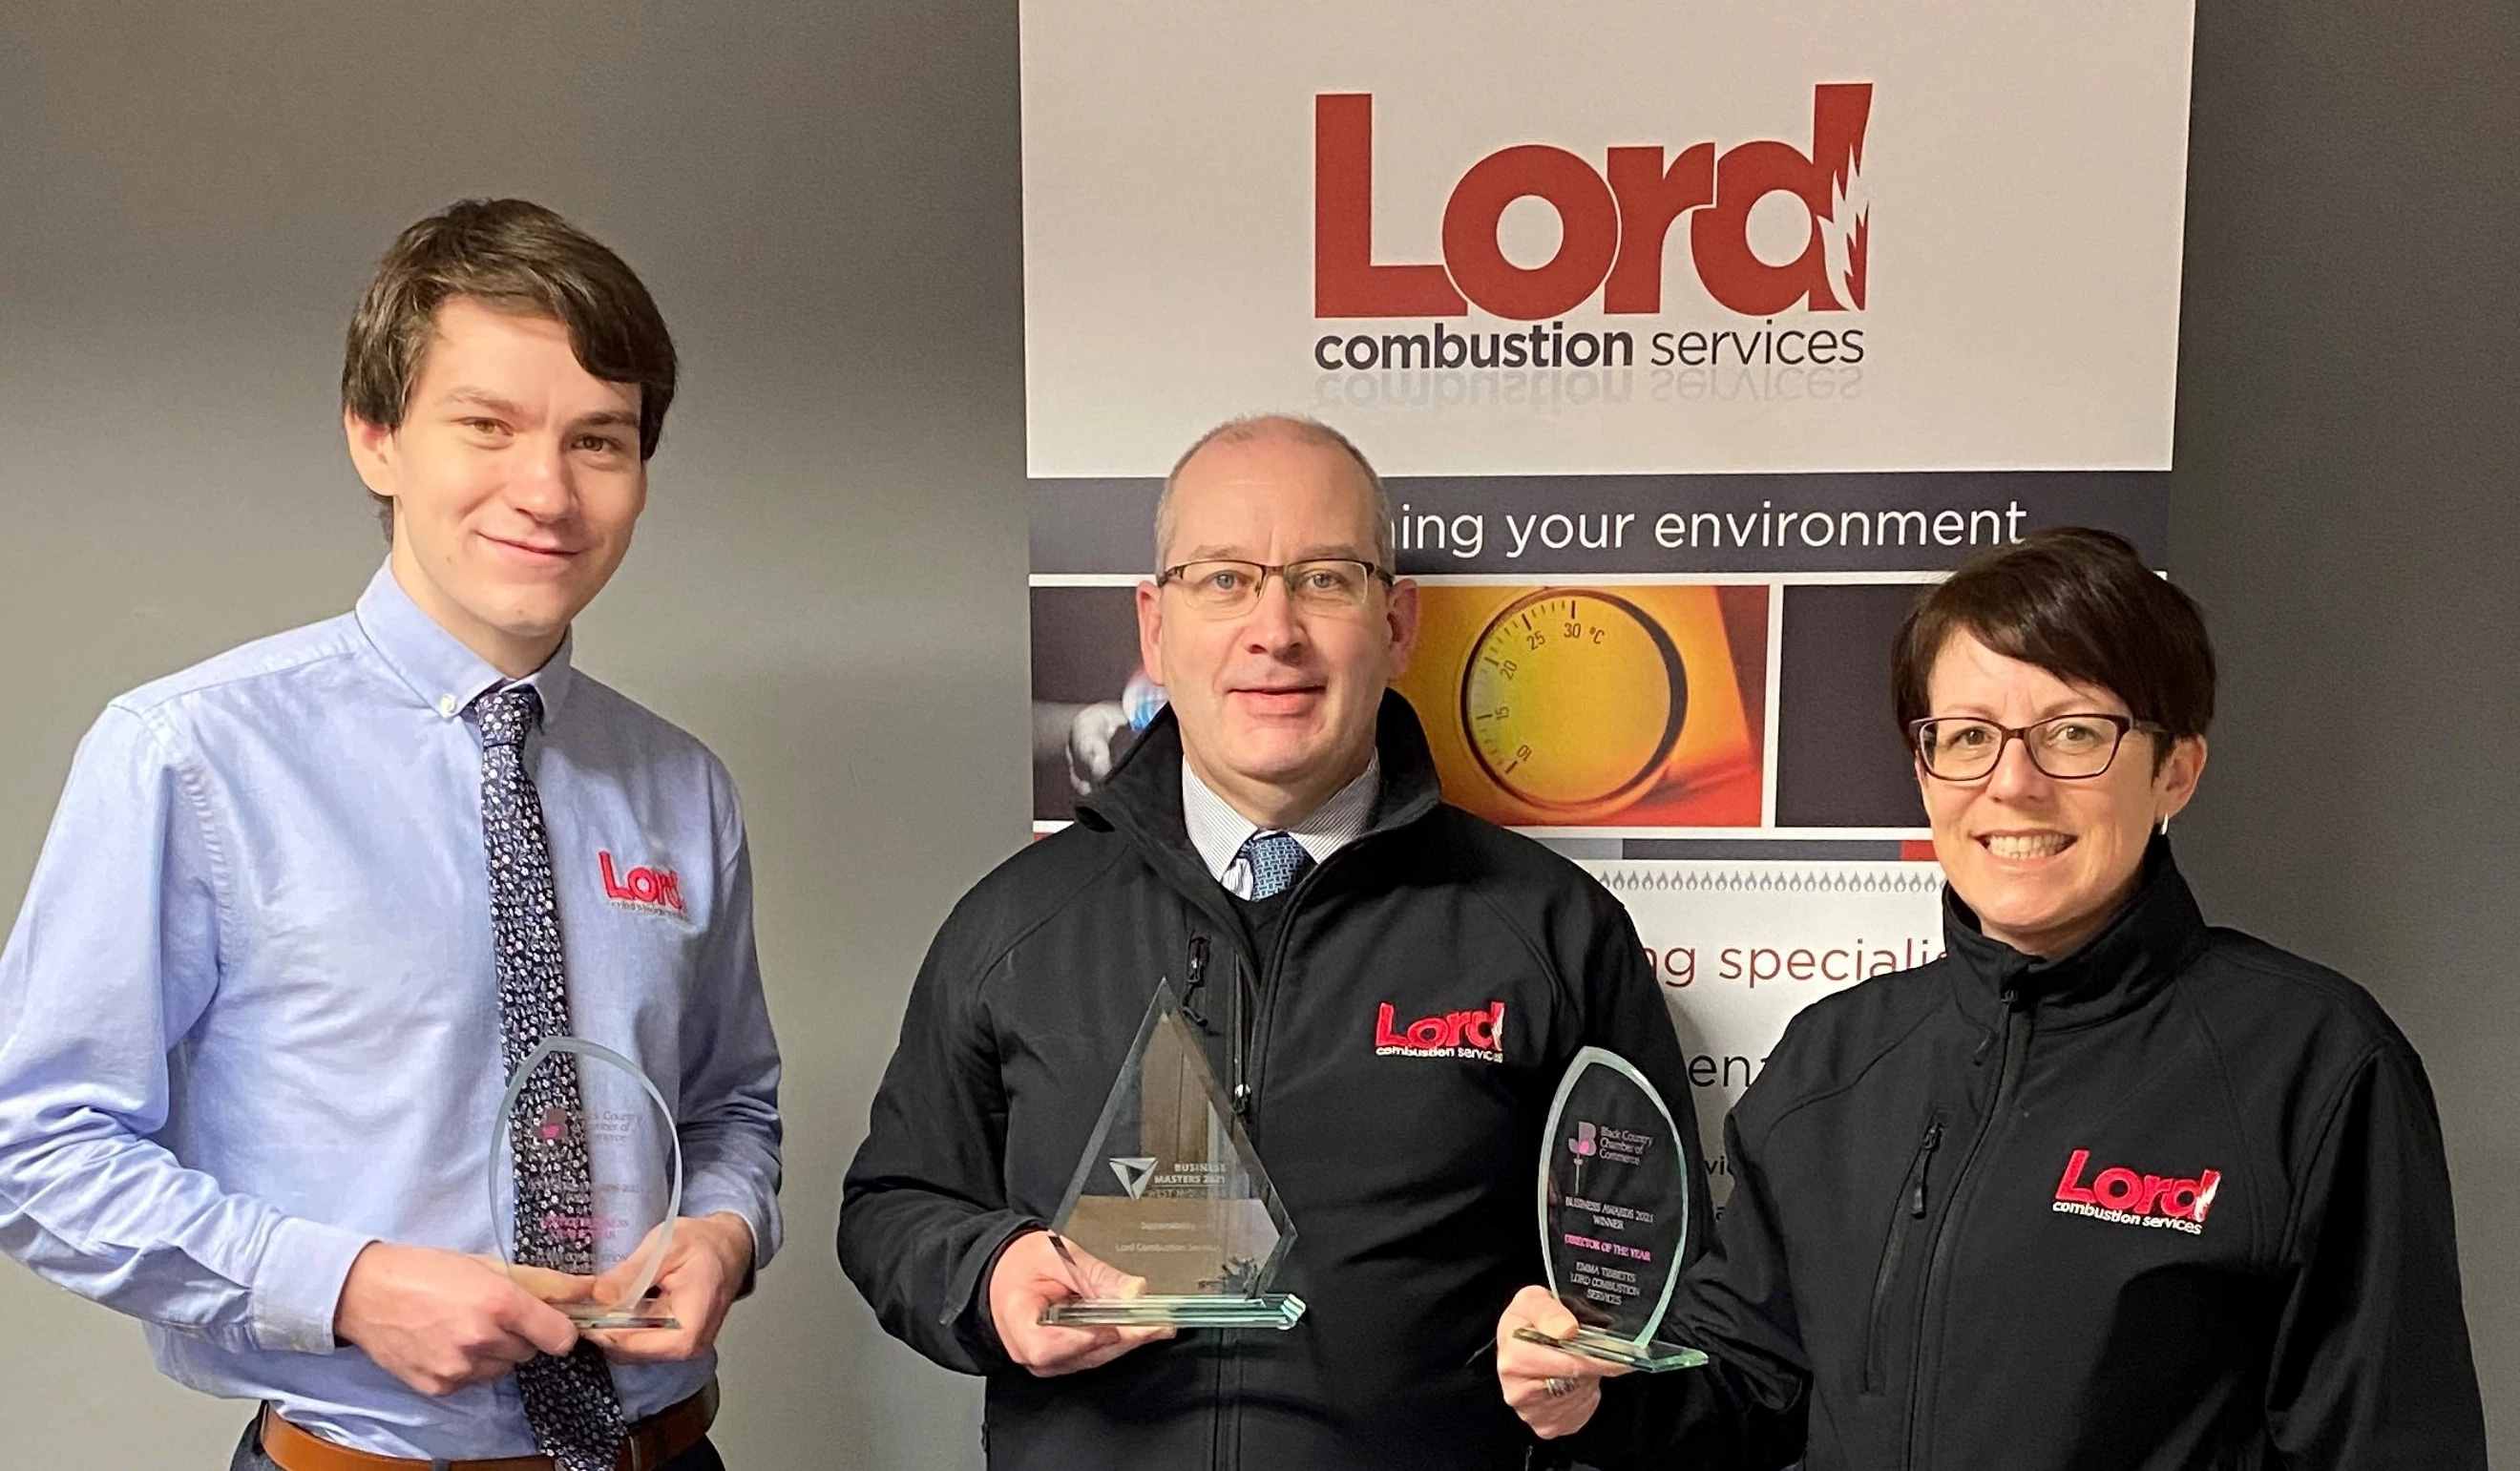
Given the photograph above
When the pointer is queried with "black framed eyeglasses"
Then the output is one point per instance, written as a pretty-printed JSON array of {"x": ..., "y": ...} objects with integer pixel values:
[
  {"x": 2068, "y": 747},
  {"x": 1223, "y": 587}
]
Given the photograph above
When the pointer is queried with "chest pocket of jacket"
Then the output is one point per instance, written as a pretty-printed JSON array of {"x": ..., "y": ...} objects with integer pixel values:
[{"x": 1442, "y": 1064}]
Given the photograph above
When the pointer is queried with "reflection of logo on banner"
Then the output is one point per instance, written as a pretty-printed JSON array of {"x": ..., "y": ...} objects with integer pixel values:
[
  {"x": 1134, "y": 1173},
  {"x": 1613, "y": 222},
  {"x": 2124, "y": 1198},
  {"x": 1451, "y": 1034}
]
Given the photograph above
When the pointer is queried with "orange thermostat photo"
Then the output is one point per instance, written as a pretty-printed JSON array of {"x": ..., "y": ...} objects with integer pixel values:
[{"x": 1631, "y": 706}]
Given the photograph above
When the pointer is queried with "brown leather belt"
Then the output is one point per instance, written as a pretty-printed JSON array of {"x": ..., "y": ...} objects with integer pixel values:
[{"x": 653, "y": 1442}]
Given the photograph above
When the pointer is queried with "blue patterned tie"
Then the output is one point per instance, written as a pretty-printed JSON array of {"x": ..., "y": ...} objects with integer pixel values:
[
  {"x": 1277, "y": 860},
  {"x": 570, "y": 1403}
]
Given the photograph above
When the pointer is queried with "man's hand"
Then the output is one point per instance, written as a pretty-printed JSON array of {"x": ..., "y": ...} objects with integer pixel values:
[
  {"x": 1031, "y": 1274},
  {"x": 704, "y": 1267},
  {"x": 439, "y": 1321},
  {"x": 1555, "y": 1393}
]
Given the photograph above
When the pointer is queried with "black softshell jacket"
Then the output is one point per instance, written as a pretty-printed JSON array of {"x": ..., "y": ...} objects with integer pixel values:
[
  {"x": 1411, "y": 1179},
  {"x": 2173, "y": 1200}
]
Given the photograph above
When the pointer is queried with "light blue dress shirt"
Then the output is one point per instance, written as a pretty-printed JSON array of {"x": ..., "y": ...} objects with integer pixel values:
[
  {"x": 1218, "y": 831},
  {"x": 248, "y": 1021}
]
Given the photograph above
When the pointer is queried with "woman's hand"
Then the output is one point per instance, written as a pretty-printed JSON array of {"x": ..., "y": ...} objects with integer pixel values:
[{"x": 1555, "y": 1393}]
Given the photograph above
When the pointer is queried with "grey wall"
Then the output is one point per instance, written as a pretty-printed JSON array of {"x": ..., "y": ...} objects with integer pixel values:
[
  {"x": 2348, "y": 509},
  {"x": 829, "y": 587}
]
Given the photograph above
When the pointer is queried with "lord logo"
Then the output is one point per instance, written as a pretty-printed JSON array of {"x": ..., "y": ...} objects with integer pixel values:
[
  {"x": 1613, "y": 221},
  {"x": 1476, "y": 1034},
  {"x": 2128, "y": 1197},
  {"x": 659, "y": 890}
]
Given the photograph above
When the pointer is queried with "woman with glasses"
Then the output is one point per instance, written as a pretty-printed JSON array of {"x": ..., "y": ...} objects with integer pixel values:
[{"x": 2101, "y": 1187}]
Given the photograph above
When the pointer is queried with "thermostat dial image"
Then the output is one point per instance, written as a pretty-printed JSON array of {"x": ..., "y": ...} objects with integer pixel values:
[
  {"x": 1573, "y": 699},
  {"x": 1549, "y": 705}
]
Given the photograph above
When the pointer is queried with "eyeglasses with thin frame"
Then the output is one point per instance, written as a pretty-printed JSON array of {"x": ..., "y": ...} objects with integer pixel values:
[
  {"x": 2067, "y": 747},
  {"x": 1221, "y": 587}
]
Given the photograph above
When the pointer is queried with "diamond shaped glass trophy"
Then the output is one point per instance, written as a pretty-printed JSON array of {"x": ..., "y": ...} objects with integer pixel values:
[
  {"x": 590, "y": 1249},
  {"x": 1613, "y": 1213},
  {"x": 1171, "y": 1191}
]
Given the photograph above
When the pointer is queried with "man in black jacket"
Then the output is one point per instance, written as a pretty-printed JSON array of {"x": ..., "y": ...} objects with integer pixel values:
[{"x": 1277, "y": 833}]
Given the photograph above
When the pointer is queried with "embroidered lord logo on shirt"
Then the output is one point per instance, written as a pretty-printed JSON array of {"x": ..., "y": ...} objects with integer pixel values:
[
  {"x": 1476, "y": 1034},
  {"x": 2127, "y": 1197},
  {"x": 659, "y": 891}
]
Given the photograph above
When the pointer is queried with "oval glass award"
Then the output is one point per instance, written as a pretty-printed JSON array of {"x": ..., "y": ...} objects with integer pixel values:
[
  {"x": 586, "y": 1178},
  {"x": 1613, "y": 1213}
]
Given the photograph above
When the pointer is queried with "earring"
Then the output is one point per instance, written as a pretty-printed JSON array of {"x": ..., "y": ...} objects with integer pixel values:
[{"x": 2165, "y": 824}]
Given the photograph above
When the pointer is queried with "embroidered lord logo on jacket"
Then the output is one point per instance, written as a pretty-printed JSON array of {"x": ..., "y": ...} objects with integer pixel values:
[
  {"x": 659, "y": 891},
  {"x": 1476, "y": 1034},
  {"x": 2127, "y": 1197}
]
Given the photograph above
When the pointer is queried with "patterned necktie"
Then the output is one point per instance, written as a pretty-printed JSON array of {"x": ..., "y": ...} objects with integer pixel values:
[
  {"x": 570, "y": 1402},
  {"x": 1277, "y": 860}
]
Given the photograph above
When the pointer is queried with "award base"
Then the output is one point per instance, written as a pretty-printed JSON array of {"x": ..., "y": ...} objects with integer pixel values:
[
  {"x": 569, "y": 1295},
  {"x": 1269, "y": 1309},
  {"x": 1593, "y": 1343},
  {"x": 595, "y": 1315}
]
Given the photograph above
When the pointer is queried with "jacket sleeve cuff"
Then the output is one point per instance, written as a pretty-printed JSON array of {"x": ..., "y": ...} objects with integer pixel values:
[
  {"x": 968, "y": 1312},
  {"x": 1617, "y": 1434},
  {"x": 298, "y": 1285}
]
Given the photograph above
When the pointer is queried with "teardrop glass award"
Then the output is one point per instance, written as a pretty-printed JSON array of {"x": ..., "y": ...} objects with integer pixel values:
[
  {"x": 1613, "y": 1213},
  {"x": 586, "y": 1178}
]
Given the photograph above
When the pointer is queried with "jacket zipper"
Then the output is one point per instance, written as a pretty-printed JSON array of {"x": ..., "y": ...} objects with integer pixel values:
[
  {"x": 1194, "y": 1004},
  {"x": 1237, "y": 1025},
  {"x": 2014, "y": 1045},
  {"x": 1227, "y": 1453},
  {"x": 1224, "y": 1451},
  {"x": 1911, "y": 1209},
  {"x": 1247, "y": 1028}
]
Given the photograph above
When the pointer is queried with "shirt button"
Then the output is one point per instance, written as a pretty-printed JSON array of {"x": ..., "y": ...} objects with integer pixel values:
[{"x": 447, "y": 705}]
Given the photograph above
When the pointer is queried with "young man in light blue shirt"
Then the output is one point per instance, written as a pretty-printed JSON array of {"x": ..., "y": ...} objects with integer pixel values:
[{"x": 305, "y": 905}]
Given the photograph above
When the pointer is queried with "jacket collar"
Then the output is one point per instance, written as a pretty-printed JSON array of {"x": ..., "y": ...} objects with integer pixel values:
[
  {"x": 2135, "y": 955},
  {"x": 1141, "y": 799}
]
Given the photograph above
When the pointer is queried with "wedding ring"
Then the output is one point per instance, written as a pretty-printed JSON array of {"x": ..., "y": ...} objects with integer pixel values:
[{"x": 1557, "y": 1388}]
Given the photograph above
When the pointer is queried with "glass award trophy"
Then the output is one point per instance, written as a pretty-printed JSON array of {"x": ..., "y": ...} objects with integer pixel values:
[
  {"x": 1613, "y": 1213},
  {"x": 1169, "y": 1190},
  {"x": 586, "y": 1237}
]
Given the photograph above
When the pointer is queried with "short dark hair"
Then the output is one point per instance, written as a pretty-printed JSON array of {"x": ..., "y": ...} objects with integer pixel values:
[
  {"x": 514, "y": 255},
  {"x": 2081, "y": 604}
]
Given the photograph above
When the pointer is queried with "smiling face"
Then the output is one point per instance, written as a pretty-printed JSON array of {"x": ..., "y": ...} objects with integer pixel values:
[
  {"x": 2045, "y": 863},
  {"x": 516, "y": 481},
  {"x": 1277, "y": 705}
]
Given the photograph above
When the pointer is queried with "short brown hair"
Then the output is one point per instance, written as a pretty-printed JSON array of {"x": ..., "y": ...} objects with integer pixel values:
[
  {"x": 2081, "y": 604},
  {"x": 515, "y": 255}
]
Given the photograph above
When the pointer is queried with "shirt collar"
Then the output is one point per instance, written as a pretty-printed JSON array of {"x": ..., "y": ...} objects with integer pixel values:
[
  {"x": 1218, "y": 831},
  {"x": 446, "y": 676}
]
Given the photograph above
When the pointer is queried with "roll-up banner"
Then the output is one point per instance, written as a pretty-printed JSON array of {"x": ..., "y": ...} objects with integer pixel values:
[{"x": 1691, "y": 339}]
